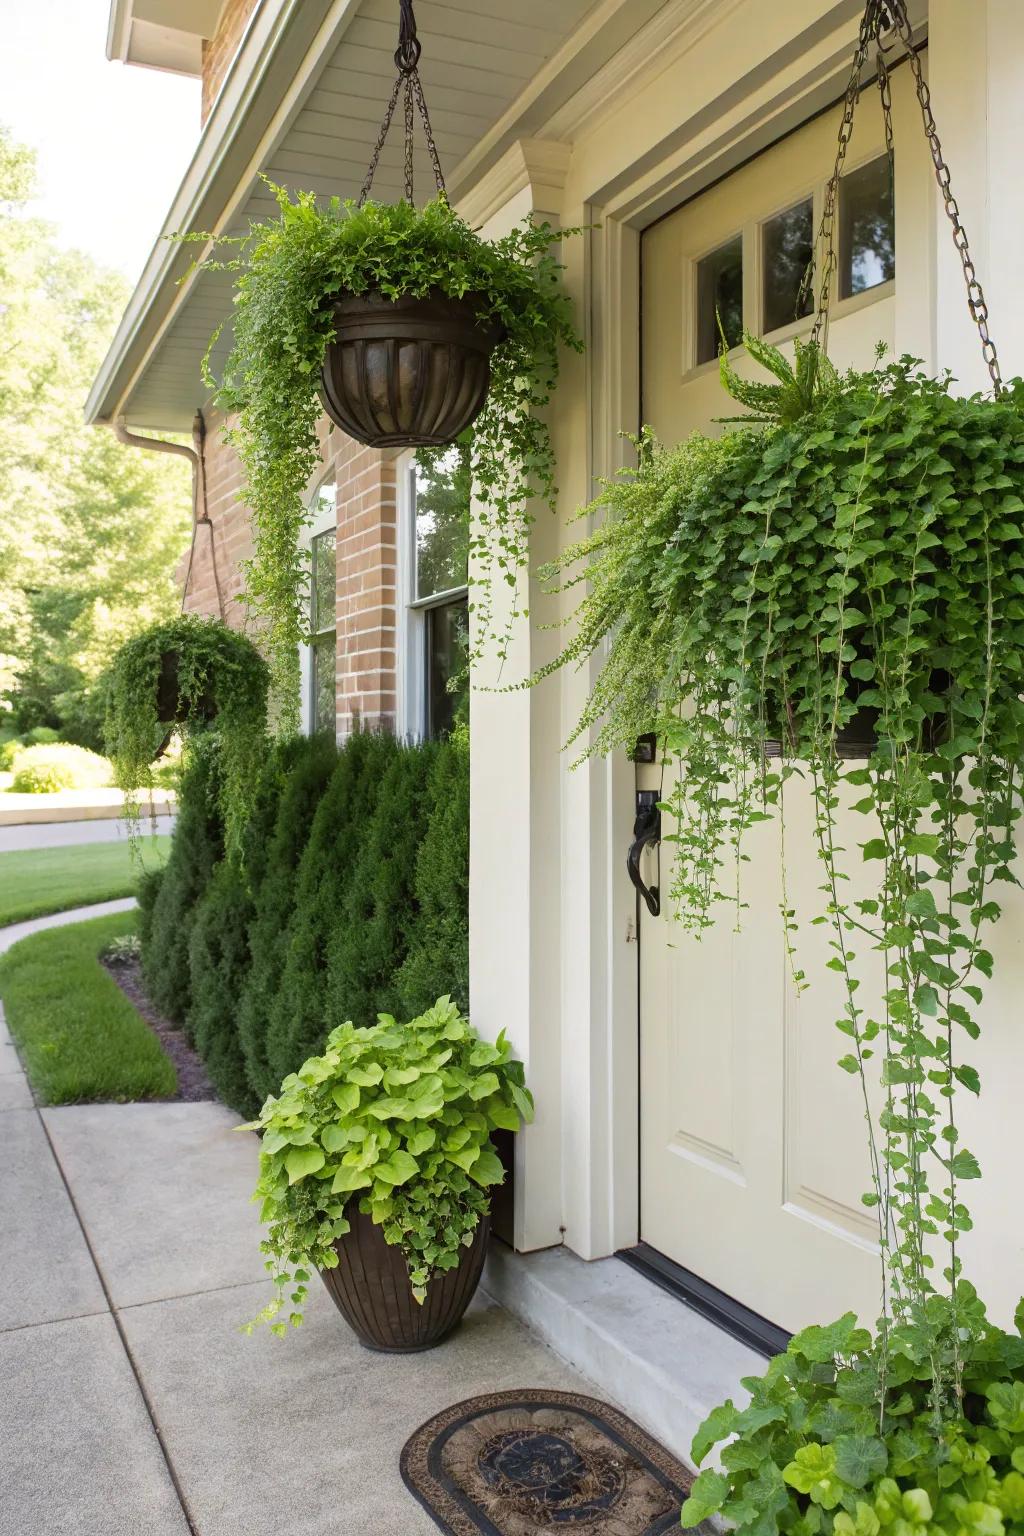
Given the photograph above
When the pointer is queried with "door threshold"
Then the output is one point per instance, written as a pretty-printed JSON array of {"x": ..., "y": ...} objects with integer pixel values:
[
  {"x": 665, "y": 1364},
  {"x": 719, "y": 1307}
]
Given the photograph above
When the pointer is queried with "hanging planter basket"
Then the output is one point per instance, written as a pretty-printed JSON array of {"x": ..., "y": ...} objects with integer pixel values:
[{"x": 407, "y": 372}]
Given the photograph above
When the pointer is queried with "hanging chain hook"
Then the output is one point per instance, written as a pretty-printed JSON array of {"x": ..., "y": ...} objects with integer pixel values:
[
  {"x": 410, "y": 87},
  {"x": 884, "y": 23},
  {"x": 407, "y": 54}
]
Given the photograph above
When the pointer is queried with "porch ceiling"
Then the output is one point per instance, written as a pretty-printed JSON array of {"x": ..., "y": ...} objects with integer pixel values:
[{"x": 303, "y": 104}]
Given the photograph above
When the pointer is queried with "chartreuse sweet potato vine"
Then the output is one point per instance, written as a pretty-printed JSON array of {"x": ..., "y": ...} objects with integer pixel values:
[
  {"x": 288, "y": 270},
  {"x": 398, "y": 1117},
  {"x": 849, "y": 571}
]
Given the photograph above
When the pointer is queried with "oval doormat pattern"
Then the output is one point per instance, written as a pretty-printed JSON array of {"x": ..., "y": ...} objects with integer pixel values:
[{"x": 517, "y": 1463}]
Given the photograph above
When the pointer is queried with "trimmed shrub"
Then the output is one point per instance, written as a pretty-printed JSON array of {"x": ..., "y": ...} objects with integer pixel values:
[
  {"x": 349, "y": 899},
  {"x": 218, "y": 958},
  {"x": 438, "y": 959},
  {"x": 299, "y": 1017},
  {"x": 314, "y": 762},
  {"x": 197, "y": 848},
  {"x": 47, "y": 767},
  {"x": 371, "y": 942},
  {"x": 219, "y": 954},
  {"x": 147, "y": 890},
  {"x": 41, "y": 735}
]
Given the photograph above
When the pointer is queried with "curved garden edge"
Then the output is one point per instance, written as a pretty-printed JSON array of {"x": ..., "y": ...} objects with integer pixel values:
[{"x": 84, "y": 1033}]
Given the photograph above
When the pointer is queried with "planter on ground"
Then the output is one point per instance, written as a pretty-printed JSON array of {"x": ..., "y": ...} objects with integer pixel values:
[
  {"x": 372, "y": 1291},
  {"x": 376, "y": 1168}
]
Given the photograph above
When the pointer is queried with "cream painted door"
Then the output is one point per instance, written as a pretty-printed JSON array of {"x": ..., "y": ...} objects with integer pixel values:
[{"x": 753, "y": 1142}]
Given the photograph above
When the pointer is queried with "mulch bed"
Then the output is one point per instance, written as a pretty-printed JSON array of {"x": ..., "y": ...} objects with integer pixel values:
[{"x": 193, "y": 1084}]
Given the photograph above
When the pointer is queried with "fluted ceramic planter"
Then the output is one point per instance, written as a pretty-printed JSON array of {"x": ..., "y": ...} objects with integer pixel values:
[
  {"x": 370, "y": 1287},
  {"x": 410, "y": 373}
]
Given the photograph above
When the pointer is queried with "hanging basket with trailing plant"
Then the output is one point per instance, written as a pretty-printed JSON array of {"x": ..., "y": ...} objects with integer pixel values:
[
  {"x": 188, "y": 675},
  {"x": 408, "y": 328},
  {"x": 841, "y": 575}
]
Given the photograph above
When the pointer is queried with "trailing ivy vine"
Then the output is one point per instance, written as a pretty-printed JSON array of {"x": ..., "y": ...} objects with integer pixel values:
[
  {"x": 288, "y": 269},
  {"x": 835, "y": 594},
  {"x": 190, "y": 675}
]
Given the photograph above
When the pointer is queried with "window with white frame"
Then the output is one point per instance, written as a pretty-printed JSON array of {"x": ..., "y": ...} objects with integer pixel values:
[
  {"x": 779, "y": 250},
  {"x": 319, "y": 662},
  {"x": 434, "y": 509}
]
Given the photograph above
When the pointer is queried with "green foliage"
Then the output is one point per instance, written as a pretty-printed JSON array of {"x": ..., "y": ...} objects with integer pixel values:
[
  {"x": 43, "y": 769},
  {"x": 288, "y": 271},
  {"x": 220, "y": 961},
  {"x": 91, "y": 531},
  {"x": 438, "y": 957},
  {"x": 80, "y": 1038},
  {"x": 348, "y": 894},
  {"x": 366, "y": 952},
  {"x": 842, "y": 1435},
  {"x": 398, "y": 1117},
  {"x": 300, "y": 1016},
  {"x": 305, "y": 781},
  {"x": 170, "y": 904},
  {"x": 122, "y": 950},
  {"x": 217, "y": 670}
]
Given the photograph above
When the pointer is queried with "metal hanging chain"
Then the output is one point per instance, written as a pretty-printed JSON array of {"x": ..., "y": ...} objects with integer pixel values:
[
  {"x": 883, "y": 22},
  {"x": 976, "y": 302},
  {"x": 409, "y": 85},
  {"x": 827, "y": 229}
]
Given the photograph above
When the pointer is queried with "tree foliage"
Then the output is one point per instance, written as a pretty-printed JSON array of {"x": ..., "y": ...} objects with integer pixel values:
[{"x": 90, "y": 531}]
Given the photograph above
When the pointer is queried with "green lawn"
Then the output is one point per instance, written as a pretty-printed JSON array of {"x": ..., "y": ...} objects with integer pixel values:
[
  {"x": 79, "y": 1036},
  {"x": 43, "y": 880}
]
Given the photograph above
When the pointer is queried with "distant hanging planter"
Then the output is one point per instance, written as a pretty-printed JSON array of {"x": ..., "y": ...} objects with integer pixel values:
[
  {"x": 408, "y": 328},
  {"x": 189, "y": 675}
]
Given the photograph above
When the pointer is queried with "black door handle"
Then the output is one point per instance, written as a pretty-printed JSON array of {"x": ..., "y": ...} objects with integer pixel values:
[{"x": 646, "y": 829}]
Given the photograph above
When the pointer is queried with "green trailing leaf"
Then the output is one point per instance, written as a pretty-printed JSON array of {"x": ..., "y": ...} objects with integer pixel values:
[
  {"x": 707, "y": 1496},
  {"x": 860, "y": 1459},
  {"x": 302, "y": 1161}
]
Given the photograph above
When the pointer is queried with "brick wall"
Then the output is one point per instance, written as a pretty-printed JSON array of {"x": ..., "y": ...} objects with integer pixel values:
[
  {"x": 366, "y": 559},
  {"x": 219, "y": 50}
]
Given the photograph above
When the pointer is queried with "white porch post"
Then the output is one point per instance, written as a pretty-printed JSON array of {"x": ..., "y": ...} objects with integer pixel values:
[{"x": 514, "y": 818}]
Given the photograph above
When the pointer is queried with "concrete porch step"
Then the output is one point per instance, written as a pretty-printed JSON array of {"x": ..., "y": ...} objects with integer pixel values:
[{"x": 662, "y": 1362}]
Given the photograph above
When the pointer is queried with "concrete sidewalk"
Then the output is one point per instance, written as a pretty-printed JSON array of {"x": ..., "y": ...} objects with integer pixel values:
[
  {"x": 64, "y": 834},
  {"x": 131, "y": 1402}
]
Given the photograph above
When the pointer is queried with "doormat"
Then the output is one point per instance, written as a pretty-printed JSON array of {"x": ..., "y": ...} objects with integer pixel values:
[{"x": 515, "y": 1463}]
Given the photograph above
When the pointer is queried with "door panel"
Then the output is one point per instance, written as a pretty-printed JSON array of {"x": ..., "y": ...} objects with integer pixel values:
[{"x": 753, "y": 1142}]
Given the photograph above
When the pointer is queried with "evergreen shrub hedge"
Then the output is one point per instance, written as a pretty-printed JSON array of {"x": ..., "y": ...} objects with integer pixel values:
[{"x": 349, "y": 898}]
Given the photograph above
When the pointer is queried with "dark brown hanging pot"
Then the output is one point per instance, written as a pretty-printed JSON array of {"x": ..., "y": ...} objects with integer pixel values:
[
  {"x": 407, "y": 372},
  {"x": 171, "y": 708},
  {"x": 371, "y": 1289}
]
